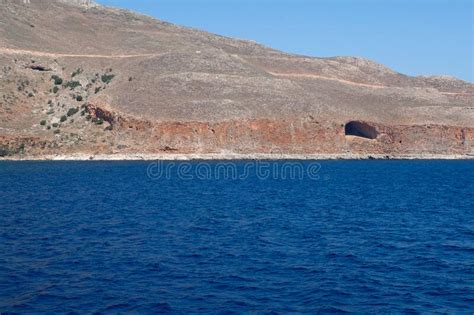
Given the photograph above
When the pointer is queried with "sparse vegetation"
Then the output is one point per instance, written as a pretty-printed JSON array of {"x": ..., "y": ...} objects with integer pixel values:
[
  {"x": 57, "y": 80},
  {"x": 130, "y": 79},
  {"x": 57, "y": 131},
  {"x": 22, "y": 85},
  {"x": 97, "y": 89},
  {"x": 4, "y": 151},
  {"x": 55, "y": 125},
  {"x": 97, "y": 121},
  {"x": 21, "y": 149},
  {"x": 108, "y": 128},
  {"x": 72, "y": 84},
  {"x": 72, "y": 111},
  {"x": 107, "y": 78},
  {"x": 63, "y": 118},
  {"x": 43, "y": 122},
  {"x": 77, "y": 72},
  {"x": 55, "y": 90}
]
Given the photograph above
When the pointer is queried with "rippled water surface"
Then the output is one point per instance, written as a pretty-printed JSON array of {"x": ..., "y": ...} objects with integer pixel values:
[{"x": 379, "y": 236}]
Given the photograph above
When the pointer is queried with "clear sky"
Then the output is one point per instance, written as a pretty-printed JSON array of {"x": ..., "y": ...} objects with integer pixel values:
[{"x": 415, "y": 37}]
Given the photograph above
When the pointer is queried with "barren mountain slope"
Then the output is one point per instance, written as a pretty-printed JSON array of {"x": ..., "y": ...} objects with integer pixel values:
[{"x": 88, "y": 79}]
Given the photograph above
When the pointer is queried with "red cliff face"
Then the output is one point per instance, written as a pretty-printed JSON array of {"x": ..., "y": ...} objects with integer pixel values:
[
  {"x": 290, "y": 136},
  {"x": 305, "y": 136},
  {"x": 298, "y": 136}
]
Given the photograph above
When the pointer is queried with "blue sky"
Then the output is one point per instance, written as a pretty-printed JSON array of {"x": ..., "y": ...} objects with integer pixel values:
[{"x": 415, "y": 37}]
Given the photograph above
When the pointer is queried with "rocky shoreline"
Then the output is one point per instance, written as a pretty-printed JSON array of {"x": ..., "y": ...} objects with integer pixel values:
[{"x": 233, "y": 156}]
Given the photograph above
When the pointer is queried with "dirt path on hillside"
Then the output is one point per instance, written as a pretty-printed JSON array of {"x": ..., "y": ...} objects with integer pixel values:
[
  {"x": 10, "y": 51},
  {"x": 315, "y": 76}
]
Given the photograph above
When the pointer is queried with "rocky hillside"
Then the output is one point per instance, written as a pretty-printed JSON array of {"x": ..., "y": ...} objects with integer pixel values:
[{"x": 76, "y": 77}]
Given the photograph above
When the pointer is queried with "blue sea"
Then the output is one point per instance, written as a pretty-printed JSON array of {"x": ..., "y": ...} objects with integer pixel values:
[{"x": 187, "y": 237}]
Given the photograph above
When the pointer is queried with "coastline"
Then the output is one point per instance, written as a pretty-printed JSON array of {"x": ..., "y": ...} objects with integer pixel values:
[{"x": 234, "y": 156}]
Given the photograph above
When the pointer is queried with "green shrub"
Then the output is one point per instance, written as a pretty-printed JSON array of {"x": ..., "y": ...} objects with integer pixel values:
[
  {"x": 97, "y": 121},
  {"x": 97, "y": 89},
  {"x": 30, "y": 94},
  {"x": 55, "y": 90},
  {"x": 56, "y": 131},
  {"x": 108, "y": 128},
  {"x": 88, "y": 117},
  {"x": 4, "y": 152},
  {"x": 49, "y": 127},
  {"x": 63, "y": 118},
  {"x": 57, "y": 80},
  {"x": 77, "y": 72},
  {"x": 43, "y": 123},
  {"x": 72, "y": 111},
  {"x": 55, "y": 125},
  {"x": 79, "y": 98},
  {"x": 72, "y": 84},
  {"x": 107, "y": 78}
]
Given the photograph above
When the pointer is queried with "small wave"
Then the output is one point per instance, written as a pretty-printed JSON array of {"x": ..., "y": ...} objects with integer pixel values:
[{"x": 468, "y": 246}]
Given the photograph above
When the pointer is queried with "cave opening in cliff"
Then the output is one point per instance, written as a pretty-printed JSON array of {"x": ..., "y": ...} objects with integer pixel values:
[{"x": 361, "y": 129}]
